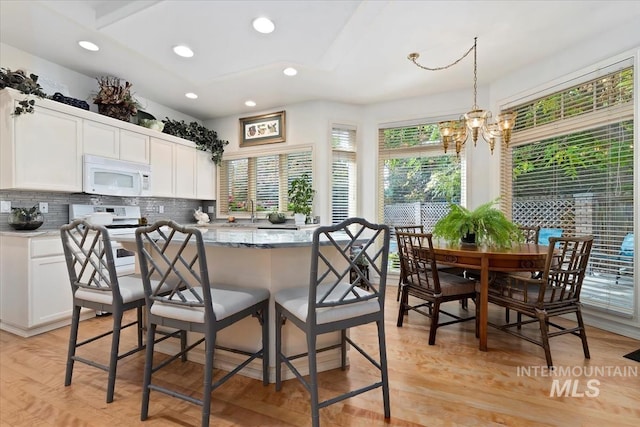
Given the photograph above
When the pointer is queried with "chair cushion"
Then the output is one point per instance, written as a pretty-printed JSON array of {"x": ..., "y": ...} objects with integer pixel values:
[
  {"x": 451, "y": 284},
  {"x": 131, "y": 289},
  {"x": 296, "y": 300},
  {"x": 226, "y": 302}
]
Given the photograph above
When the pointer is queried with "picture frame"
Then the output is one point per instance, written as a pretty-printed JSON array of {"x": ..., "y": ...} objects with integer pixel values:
[{"x": 263, "y": 129}]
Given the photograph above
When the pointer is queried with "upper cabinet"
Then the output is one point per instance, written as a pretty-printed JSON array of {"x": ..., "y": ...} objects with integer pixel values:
[
  {"x": 43, "y": 150},
  {"x": 40, "y": 150},
  {"x": 105, "y": 140}
]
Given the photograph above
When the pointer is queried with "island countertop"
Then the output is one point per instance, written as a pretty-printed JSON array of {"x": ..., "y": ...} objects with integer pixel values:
[{"x": 247, "y": 238}]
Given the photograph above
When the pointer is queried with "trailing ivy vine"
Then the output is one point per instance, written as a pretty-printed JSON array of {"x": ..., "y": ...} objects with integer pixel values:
[{"x": 205, "y": 139}]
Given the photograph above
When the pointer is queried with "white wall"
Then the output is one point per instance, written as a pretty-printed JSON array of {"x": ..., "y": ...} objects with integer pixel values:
[{"x": 55, "y": 78}]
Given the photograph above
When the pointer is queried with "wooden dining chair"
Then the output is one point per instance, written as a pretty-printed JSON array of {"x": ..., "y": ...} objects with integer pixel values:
[
  {"x": 174, "y": 255},
  {"x": 431, "y": 287},
  {"x": 555, "y": 293},
  {"x": 332, "y": 302},
  {"x": 404, "y": 229}
]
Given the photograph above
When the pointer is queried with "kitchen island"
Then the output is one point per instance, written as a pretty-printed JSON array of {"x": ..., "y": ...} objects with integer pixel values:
[{"x": 259, "y": 258}]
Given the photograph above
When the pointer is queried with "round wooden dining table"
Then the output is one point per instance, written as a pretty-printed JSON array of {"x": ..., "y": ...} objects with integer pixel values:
[{"x": 519, "y": 257}]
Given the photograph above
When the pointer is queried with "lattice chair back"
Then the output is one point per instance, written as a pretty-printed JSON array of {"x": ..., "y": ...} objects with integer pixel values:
[
  {"x": 416, "y": 252},
  {"x": 332, "y": 285},
  {"x": 565, "y": 269},
  {"x": 89, "y": 256},
  {"x": 167, "y": 262}
]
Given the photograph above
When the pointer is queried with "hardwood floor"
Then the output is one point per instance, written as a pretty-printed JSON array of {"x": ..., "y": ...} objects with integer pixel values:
[{"x": 451, "y": 383}]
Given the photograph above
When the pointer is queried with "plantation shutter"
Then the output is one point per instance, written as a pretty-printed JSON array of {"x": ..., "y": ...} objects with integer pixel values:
[
  {"x": 343, "y": 173},
  {"x": 297, "y": 164},
  {"x": 571, "y": 166},
  {"x": 268, "y": 182}
]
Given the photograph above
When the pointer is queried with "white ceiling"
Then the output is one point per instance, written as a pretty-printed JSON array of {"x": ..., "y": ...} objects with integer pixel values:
[{"x": 346, "y": 51}]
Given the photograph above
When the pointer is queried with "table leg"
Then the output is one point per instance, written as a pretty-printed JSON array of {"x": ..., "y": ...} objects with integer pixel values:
[{"x": 484, "y": 302}]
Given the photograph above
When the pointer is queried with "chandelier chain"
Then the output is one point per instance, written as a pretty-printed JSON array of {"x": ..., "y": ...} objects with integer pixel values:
[
  {"x": 414, "y": 56},
  {"x": 475, "y": 74}
]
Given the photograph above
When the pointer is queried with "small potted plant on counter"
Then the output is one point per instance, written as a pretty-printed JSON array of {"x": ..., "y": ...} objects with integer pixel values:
[
  {"x": 300, "y": 198},
  {"x": 484, "y": 225}
]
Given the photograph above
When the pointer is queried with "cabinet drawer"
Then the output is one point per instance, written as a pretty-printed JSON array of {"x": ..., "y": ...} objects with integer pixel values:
[{"x": 46, "y": 247}]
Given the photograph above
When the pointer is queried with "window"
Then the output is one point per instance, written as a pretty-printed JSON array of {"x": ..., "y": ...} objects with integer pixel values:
[
  {"x": 570, "y": 166},
  {"x": 343, "y": 173},
  {"x": 263, "y": 179},
  {"x": 416, "y": 179}
]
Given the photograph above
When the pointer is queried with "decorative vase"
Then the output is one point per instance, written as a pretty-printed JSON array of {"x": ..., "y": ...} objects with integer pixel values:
[
  {"x": 276, "y": 218},
  {"x": 468, "y": 239}
]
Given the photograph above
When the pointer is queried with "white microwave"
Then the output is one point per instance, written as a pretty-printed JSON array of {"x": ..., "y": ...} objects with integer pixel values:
[{"x": 113, "y": 177}]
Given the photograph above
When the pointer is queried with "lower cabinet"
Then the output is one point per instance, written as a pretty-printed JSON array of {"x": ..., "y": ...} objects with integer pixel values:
[{"x": 35, "y": 294}]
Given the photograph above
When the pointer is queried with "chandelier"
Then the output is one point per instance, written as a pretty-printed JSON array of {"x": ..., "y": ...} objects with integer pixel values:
[{"x": 476, "y": 121}]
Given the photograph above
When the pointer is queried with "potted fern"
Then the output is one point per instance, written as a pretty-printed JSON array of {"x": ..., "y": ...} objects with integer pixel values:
[
  {"x": 485, "y": 225},
  {"x": 300, "y": 198}
]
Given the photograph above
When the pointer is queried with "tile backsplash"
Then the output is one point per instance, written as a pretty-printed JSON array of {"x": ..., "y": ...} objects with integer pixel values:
[{"x": 180, "y": 210}]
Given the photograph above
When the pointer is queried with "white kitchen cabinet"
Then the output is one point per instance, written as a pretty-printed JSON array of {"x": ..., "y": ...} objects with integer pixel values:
[
  {"x": 134, "y": 147},
  {"x": 185, "y": 171},
  {"x": 206, "y": 177},
  {"x": 161, "y": 167},
  {"x": 100, "y": 139},
  {"x": 35, "y": 294},
  {"x": 40, "y": 150}
]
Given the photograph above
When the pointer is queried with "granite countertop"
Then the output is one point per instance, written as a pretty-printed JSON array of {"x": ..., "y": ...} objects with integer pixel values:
[
  {"x": 47, "y": 232},
  {"x": 244, "y": 237}
]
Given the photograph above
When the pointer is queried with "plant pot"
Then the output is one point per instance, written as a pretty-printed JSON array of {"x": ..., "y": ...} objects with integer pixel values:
[
  {"x": 468, "y": 239},
  {"x": 117, "y": 111},
  {"x": 300, "y": 219}
]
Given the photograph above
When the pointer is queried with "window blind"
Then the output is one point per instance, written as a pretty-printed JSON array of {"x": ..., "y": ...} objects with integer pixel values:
[
  {"x": 343, "y": 174},
  {"x": 571, "y": 166},
  {"x": 263, "y": 179},
  {"x": 415, "y": 178}
]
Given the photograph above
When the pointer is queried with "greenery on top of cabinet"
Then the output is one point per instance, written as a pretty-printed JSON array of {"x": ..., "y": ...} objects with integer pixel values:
[
  {"x": 28, "y": 85},
  {"x": 205, "y": 139}
]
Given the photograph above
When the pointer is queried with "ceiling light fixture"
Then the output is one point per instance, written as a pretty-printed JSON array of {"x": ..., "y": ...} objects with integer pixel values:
[
  {"x": 290, "y": 71},
  {"x": 476, "y": 120},
  {"x": 89, "y": 46},
  {"x": 250, "y": 103},
  {"x": 263, "y": 25},
  {"x": 191, "y": 95},
  {"x": 182, "y": 50}
]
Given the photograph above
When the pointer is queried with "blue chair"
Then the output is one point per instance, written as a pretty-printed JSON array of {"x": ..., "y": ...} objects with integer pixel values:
[
  {"x": 626, "y": 255},
  {"x": 545, "y": 233}
]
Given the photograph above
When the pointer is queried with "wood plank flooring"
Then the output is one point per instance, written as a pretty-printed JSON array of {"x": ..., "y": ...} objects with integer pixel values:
[{"x": 451, "y": 383}]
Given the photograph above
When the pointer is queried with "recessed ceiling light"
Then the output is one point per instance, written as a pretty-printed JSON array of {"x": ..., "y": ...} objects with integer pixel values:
[
  {"x": 88, "y": 45},
  {"x": 250, "y": 103},
  {"x": 263, "y": 25},
  {"x": 290, "y": 71},
  {"x": 182, "y": 50},
  {"x": 191, "y": 95}
]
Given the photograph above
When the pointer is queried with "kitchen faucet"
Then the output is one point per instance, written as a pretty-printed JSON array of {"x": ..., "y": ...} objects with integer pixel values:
[{"x": 253, "y": 210}]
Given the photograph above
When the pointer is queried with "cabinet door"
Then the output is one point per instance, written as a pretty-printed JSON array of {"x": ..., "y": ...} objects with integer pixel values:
[
  {"x": 134, "y": 147},
  {"x": 100, "y": 139},
  {"x": 50, "y": 293},
  {"x": 206, "y": 176},
  {"x": 48, "y": 151},
  {"x": 185, "y": 171},
  {"x": 161, "y": 167}
]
